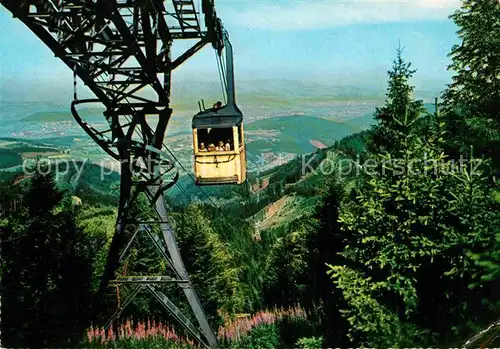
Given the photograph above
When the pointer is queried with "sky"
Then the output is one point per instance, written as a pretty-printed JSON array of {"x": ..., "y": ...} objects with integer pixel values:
[{"x": 349, "y": 42}]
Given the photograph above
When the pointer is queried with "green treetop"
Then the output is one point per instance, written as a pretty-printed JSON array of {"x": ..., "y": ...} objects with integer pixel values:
[
  {"x": 476, "y": 60},
  {"x": 387, "y": 135}
]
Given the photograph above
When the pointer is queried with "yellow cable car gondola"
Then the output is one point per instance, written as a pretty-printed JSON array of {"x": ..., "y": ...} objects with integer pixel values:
[{"x": 218, "y": 138}]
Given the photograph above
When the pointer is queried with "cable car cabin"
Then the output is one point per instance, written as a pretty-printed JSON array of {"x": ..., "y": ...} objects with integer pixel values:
[
  {"x": 218, "y": 139},
  {"x": 219, "y": 146}
]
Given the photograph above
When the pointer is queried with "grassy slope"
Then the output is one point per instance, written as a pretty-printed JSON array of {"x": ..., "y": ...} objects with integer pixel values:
[
  {"x": 93, "y": 184},
  {"x": 284, "y": 211},
  {"x": 9, "y": 158},
  {"x": 298, "y": 200},
  {"x": 11, "y": 150},
  {"x": 52, "y": 142},
  {"x": 54, "y": 116}
]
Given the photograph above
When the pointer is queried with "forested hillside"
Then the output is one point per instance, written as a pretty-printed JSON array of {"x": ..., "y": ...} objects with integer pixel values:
[{"x": 389, "y": 238}]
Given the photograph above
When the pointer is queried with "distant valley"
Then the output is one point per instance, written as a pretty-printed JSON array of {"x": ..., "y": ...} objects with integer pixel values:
[{"x": 282, "y": 120}]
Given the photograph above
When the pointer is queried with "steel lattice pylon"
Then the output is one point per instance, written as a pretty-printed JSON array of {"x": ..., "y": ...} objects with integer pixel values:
[{"x": 121, "y": 50}]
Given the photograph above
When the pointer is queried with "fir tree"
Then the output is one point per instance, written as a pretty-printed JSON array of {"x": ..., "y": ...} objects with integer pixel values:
[
  {"x": 476, "y": 60},
  {"x": 472, "y": 100},
  {"x": 406, "y": 235},
  {"x": 210, "y": 263},
  {"x": 46, "y": 272},
  {"x": 285, "y": 268},
  {"x": 388, "y": 134}
]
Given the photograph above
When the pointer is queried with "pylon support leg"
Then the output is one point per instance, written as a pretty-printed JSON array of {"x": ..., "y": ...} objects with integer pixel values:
[
  {"x": 116, "y": 243},
  {"x": 119, "y": 311},
  {"x": 160, "y": 248},
  {"x": 188, "y": 289},
  {"x": 125, "y": 250},
  {"x": 177, "y": 314}
]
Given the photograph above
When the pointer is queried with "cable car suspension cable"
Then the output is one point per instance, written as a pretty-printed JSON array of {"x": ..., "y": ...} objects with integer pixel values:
[
  {"x": 224, "y": 81},
  {"x": 180, "y": 164},
  {"x": 75, "y": 96},
  {"x": 169, "y": 172},
  {"x": 222, "y": 59},
  {"x": 224, "y": 87},
  {"x": 182, "y": 189},
  {"x": 221, "y": 76},
  {"x": 191, "y": 176}
]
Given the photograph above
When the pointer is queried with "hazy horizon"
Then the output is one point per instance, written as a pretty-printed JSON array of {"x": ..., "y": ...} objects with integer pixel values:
[
  {"x": 197, "y": 90},
  {"x": 349, "y": 43}
]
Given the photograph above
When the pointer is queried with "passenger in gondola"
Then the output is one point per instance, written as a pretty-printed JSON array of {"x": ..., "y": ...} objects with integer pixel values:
[
  {"x": 202, "y": 147},
  {"x": 211, "y": 147},
  {"x": 227, "y": 146},
  {"x": 221, "y": 146},
  {"x": 217, "y": 106}
]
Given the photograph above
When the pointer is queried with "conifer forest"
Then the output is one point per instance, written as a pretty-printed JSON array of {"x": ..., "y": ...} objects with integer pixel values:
[{"x": 387, "y": 237}]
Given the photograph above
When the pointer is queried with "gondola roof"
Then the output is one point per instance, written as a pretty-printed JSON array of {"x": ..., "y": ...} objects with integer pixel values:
[{"x": 227, "y": 116}]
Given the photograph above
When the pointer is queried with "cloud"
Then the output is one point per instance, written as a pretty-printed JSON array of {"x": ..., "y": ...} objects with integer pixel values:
[{"x": 323, "y": 14}]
